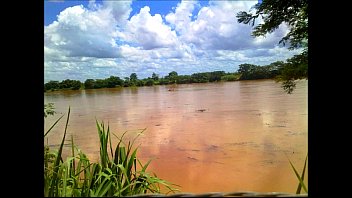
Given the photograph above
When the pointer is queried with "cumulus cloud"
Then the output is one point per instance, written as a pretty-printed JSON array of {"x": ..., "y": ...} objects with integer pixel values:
[
  {"x": 79, "y": 32},
  {"x": 120, "y": 10},
  {"x": 103, "y": 40},
  {"x": 149, "y": 31},
  {"x": 182, "y": 16},
  {"x": 216, "y": 28}
]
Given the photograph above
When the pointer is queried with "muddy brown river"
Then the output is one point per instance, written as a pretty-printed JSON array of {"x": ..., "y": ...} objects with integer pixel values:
[{"x": 213, "y": 137}]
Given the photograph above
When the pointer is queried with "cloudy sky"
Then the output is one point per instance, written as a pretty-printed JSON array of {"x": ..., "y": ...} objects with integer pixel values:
[{"x": 98, "y": 39}]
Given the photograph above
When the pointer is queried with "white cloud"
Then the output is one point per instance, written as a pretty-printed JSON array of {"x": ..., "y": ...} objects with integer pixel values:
[
  {"x": 148, "y": 31},
  {"x": 216, "y": 26},
  {"x": 182, "y": 16},
  {"x": 119, "y": 9},
  {"x": 80, "y": 32},
  {"x": 101, "y": 40},
  {"x": 138, "y": 54},
  {"x": 269, "y": 40}
]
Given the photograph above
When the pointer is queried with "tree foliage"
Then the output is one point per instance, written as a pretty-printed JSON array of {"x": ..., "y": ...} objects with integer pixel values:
[
  {"x": 70, "y": 84},
  {"x": 252, "y": 72},
  {"x": 89, "y": 84},
  {"x": 114, "y": 81},
  {"x": 133, "y": 77},
  {"x": 149, "y": 82},
  {"x": 295, "y": 14},
  {"x": 51, "y": 85},
  {"x": 274, "y": 13},
  {"x": 230, "y": 77},
  {"x": 155, "y": 76},
  {"x": 246, "y": 71},
  {"x": 295, "y": 68},
  {"x": 65, "y": 84},
  {"x": 172, "y": 77}
]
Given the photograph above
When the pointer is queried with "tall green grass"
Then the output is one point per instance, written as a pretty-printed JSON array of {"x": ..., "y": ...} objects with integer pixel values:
[
  {"x": 300, "y": 177},
  {"x": 118, "y": 173}
]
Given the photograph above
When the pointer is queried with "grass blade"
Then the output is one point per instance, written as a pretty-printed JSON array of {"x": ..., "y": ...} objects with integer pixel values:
[
  {"x": 117, "y": 176},
  {"x": 54, "y": 185},
  {"x": 145, "y": 166},
  {"x": 298, "y": 191},
  {"x": 112, "y": 154},
  {"x": 73, "y": 156},
  {"x": 301, "y": 183},
  {"x": 53, "y": 125}
]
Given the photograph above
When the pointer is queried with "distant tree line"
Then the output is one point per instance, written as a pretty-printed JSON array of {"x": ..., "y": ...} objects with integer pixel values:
[
  {"x": 246, "y": 71},
  {"x": 65, "y": 84}
]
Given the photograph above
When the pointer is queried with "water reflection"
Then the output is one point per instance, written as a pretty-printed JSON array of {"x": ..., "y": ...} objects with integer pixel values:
[{"x": 224, "y": 137}]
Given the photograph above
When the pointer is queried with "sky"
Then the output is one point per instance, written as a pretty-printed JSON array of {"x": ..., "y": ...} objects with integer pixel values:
[{"x": 98, "y": 39}]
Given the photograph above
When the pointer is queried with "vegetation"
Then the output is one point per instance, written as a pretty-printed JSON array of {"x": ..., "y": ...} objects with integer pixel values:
[
  {"x": 49, "y": 109},
  {"x": 65, "y": 84},
  {"x": 251, "y": 72},
  {"x": 117, "y": 175},
  {"x": 279, "y": 70},
  {"x": 273, "y": 12},
  {"x": 295, "y": 14},
  {"x": 300, "y": 177},
  {"x": 132, "y": 81}
]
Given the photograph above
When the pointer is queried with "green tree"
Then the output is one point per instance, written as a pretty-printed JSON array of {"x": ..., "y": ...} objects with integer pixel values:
[
  {"x": 70, "y": 84},
  {"x": 246, "y": 71},
  {"x": 89, "y": 84},
  {"x": 275, "y": 67},
  {"x": 126, "y": 82},
  {"x": 149, "y": 82},
  {"x": 100, "y": 83},
  {"x": 274, "y": 13},
  {"x": 52, "y": 85},
  {"x": 133, "y": 80},
  {"x": 295, "y": 68},
  {"x": 139, "y": 83},
  {"x": 173, "y": 77},
  {"x": 200, "y": 77},
  {"x": 164, "y": 81},
  {"x": 113, "y": 81},
  {"x": 75, "y": 84},
  {"x": 216, "y": 75},
  {"x": 65, "y": 84},
  {"x": 155, "y": 76},
  {"x": 133, "y": 77},
  {"x": 183, "y": 79},
  {"x": 295, "y": 14}
]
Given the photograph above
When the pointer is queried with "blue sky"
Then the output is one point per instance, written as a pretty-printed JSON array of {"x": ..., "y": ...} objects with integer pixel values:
[{"x": 97, "y": 39}]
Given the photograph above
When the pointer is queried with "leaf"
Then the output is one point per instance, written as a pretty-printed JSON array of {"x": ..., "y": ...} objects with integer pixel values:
[
  {"x": 54, "y": 185},
  {"x": 53, "y": 125},
  {"x": 302, "y": 176},
  {"x": 301, "y": 183}
]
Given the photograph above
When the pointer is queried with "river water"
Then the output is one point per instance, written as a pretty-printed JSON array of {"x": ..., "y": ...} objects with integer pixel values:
[{"x": 212, "y": 137}]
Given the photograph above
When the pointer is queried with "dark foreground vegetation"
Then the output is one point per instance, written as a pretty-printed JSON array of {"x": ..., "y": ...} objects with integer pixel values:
[{"x": 118, "y": 173}]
